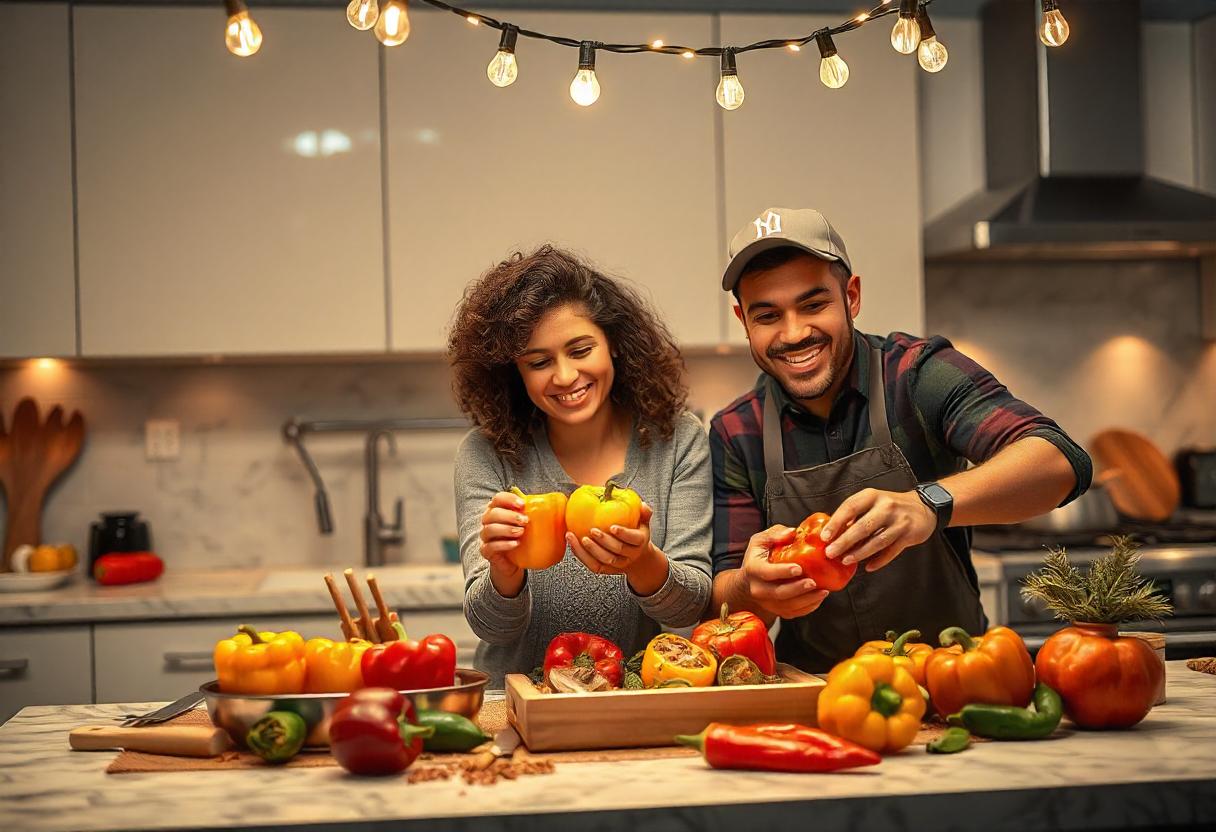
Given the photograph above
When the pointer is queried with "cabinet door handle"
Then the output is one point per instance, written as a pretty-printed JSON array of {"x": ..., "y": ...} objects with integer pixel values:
[
  {"x": 12, "y": 668},
  {"x": 189, "y": 661}
]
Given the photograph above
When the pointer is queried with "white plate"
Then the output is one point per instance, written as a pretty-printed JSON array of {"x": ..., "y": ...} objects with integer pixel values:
[{"x": 36, "y": 581}]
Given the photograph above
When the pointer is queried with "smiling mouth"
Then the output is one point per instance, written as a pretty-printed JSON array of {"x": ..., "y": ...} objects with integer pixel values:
[
  {"x": 803, "y": 358},
  {"x": 575, "y": 396}
]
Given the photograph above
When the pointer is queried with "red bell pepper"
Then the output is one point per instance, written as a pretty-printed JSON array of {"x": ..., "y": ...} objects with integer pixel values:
[
  {"x": 778, "y": 747},
  {"x": 376, "y": 731},
  {"x": 411, "y": 665},
  {"x": 740, "y": 633},
  {"x": 585, "y": 649},
  {"x": 807, "y": 550},
  {"x": 127, "y": 568}
]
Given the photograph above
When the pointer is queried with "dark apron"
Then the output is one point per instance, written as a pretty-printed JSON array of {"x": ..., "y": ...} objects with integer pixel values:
[{"x": 925, "y": 588}]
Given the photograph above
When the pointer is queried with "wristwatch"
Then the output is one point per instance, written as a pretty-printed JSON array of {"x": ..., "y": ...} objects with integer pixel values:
[{"x": 939, "y": 499}]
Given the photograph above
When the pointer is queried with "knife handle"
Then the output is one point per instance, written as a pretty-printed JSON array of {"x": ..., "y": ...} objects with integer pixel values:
[{"x": 177, "y": 740}]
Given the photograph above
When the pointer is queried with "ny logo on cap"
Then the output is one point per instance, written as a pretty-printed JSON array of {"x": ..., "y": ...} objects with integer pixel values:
[{"x": 770, "y": 223}]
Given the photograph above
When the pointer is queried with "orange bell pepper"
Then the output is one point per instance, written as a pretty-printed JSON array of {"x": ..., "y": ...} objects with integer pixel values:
[
  {"x": 669, "y": 657},
  {"x": 994, "y": 669},
  {"x": 591, "y": 507},
  {"x": 543, "y": 542},
  {"x": 872, "y": 701},
  {"x": 907, "y": 654},
  {"x": 260, "y": 662},
  {"x": 333, "y": 666}
]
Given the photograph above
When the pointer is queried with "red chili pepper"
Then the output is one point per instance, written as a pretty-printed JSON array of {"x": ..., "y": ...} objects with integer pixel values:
[
  {"x": 584, "y": 648},
  {"x": 375, "y": 731},
  {"x": 127, "y": 568},
  {"x": 777, "y": 747},
  {"x": 739, "y": 633},
  {"x": 411, "y": 665}
]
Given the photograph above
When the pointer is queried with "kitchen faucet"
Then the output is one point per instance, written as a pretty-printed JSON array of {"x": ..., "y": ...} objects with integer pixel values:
[{"x": 376, "y": 533}]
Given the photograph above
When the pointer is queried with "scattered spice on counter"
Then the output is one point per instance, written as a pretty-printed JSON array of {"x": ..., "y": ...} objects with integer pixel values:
[{"x": 1204, "y": 665}]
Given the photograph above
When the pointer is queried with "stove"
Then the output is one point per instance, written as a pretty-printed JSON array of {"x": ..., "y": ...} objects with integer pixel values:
[{"x": 1179, "y": 557}]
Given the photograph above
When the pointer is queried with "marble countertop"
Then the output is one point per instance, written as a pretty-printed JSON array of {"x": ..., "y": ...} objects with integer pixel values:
[
  {"x": 1161, "y": 772},
  {"x": 229, "y": 592},
  {"x": 239, "y": 592}
]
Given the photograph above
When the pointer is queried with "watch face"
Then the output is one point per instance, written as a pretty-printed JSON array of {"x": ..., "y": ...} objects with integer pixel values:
[{"x": 938, "y": 495}]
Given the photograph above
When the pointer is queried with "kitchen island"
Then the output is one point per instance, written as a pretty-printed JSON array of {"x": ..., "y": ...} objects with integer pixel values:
[{"x": 1161, "y": 773}]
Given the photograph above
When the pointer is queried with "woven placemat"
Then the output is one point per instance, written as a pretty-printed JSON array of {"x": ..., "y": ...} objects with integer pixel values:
[{"x": 492, "y": 718}]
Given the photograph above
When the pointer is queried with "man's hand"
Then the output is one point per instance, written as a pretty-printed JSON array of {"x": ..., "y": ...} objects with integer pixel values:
[
  {"x": 778, "y": 588},
  {"x": 877, "y": 525}
]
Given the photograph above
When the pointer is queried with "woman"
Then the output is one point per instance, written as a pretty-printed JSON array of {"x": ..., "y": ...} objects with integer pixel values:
[{"x": 571, "y": 379}]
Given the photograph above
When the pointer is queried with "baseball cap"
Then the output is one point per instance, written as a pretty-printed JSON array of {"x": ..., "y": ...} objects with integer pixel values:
[{"x": 803, "y": 228}]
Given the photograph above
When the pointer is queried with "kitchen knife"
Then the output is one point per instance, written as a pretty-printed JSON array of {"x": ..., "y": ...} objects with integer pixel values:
[{"x": 177, "y": 740}]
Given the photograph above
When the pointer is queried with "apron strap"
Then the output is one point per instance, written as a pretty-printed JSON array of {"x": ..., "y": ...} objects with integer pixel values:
[{"x": 880, "y": 431}]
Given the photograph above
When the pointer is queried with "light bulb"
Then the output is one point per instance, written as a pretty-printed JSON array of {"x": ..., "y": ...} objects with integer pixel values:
[
  {"x": 393, "y": 25},
  {"x": 833, "y": 71},
  {"x": 905, "y": 34},
  {"x": 730, "y": 91},
  {"x": 502, "y": 69},
  {"x": 931, "y": 54},
  {"x": 585, "y": 88},
  {"x": 242, "y": 35},
  {"x": 1053, "y": 30},
  {"x": 362, "y": 14}
]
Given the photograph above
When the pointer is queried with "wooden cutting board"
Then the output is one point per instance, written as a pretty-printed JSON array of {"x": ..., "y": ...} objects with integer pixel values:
[
  {"x": 1146, "y": 486},
  {"x": 177, "y": 740}
]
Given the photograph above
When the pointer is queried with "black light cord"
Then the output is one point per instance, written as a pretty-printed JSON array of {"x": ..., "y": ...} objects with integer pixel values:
[{"x": 881, "y": 10}]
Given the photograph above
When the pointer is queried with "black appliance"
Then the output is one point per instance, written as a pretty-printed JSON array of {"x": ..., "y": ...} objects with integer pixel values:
[
  {"x": 1197, "y": 473},
  {"x": 118, "y": 531}
]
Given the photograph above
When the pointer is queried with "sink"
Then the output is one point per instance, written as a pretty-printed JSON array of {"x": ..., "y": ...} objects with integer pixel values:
[{"x": 313, "y": 580}]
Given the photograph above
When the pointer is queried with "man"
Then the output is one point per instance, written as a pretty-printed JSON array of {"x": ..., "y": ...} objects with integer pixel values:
[{"x": 874, "y": 431}]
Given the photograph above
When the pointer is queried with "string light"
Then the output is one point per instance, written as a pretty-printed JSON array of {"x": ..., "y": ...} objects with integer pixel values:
[
  {"x": 362, "y": 14},
  {"x": 473, "y": 19},
  {"x": 730, "y": 91},
  {"x": 833, "y": 71},
  {"x": 1053, "y": 30},
  {"x": 585, "y": 88},
  {"x": 242, "y": 35},
  {"x": 905, "y": 34},
  {"x": 503, "y": 70},
  {"x": 794, "y": 47},
  {"x": 688, "y": 53},
  {"x": 931, "y": 54},
  {"x": 658, "y": 44},
  {"x": 393, "y": 25}
]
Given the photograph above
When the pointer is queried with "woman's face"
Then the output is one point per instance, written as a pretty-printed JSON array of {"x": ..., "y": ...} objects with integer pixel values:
[{"x": 567, "y": 366}]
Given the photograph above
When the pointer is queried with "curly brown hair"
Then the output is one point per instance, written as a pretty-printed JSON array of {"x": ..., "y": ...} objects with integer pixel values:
[{"x": 497, "y": 315}]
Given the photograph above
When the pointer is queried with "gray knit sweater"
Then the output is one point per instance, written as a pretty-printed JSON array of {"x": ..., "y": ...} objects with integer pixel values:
[{"x": 672, "y": 477}]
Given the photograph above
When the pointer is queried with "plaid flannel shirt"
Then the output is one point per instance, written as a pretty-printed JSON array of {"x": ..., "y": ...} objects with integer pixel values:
[{"x": 944, "y": 410}]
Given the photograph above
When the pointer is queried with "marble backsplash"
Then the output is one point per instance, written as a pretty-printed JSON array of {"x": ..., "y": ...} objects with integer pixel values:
[
  {"x": 1093, "y": 345},
  {"x": 238, "y": 495}
]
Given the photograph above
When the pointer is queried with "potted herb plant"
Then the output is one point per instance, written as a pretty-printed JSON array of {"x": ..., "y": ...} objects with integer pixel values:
[{"x": 1106, "y": 680}]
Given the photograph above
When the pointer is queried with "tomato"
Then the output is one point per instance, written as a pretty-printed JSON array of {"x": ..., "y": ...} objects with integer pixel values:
[{"x": 807, "y": 552}]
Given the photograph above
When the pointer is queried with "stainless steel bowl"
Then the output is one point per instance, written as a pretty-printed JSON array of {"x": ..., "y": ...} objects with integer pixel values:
[{"x": 237, "y": 712}]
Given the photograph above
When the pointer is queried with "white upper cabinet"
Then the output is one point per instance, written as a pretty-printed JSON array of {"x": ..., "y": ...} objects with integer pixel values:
[
  {"x": 227, "y": 205},
  {"x": 37, "y": 274},
  {"x": 476, "y": 172},
  {"x": 850, "y": 152}
]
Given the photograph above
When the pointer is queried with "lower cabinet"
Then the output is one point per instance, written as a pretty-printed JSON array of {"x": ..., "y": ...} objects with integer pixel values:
[
  {"x": 153, "y": 662},
  {"x": 44, "y": 666}
]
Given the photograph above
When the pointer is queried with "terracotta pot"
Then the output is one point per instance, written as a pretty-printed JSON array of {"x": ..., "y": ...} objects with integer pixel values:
[{"x": 1106, "y": 680}]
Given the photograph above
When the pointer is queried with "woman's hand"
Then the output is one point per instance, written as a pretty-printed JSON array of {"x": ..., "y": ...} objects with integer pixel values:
[
  {"x": 502, "y": 524},
  {"x": 621, "y": 551}
]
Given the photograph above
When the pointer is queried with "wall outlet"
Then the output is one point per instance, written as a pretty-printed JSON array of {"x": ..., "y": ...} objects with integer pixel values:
[{"x": 162, "y": 439}]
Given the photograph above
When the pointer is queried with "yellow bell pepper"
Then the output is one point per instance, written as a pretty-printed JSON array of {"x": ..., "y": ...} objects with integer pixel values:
[
  {"x": 669, "y": 657},
  {"x": 872, "y": 701},
  {"x": 334, "y": 666},
  {"x": 260, "y": 663}
]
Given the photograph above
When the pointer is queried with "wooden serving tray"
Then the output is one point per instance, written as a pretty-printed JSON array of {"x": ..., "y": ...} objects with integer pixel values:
[{"x": 641, "y": 718}]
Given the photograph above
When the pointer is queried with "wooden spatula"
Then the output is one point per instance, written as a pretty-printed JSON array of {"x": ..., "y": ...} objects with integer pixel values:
[{"x": 33, "y": 455}]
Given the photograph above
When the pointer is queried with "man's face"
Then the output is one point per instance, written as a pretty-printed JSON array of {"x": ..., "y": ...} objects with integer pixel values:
[{"x": 799, "y": 322}]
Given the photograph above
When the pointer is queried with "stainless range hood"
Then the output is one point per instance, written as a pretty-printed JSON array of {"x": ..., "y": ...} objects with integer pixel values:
[{"x": 1064, "y": 135}]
